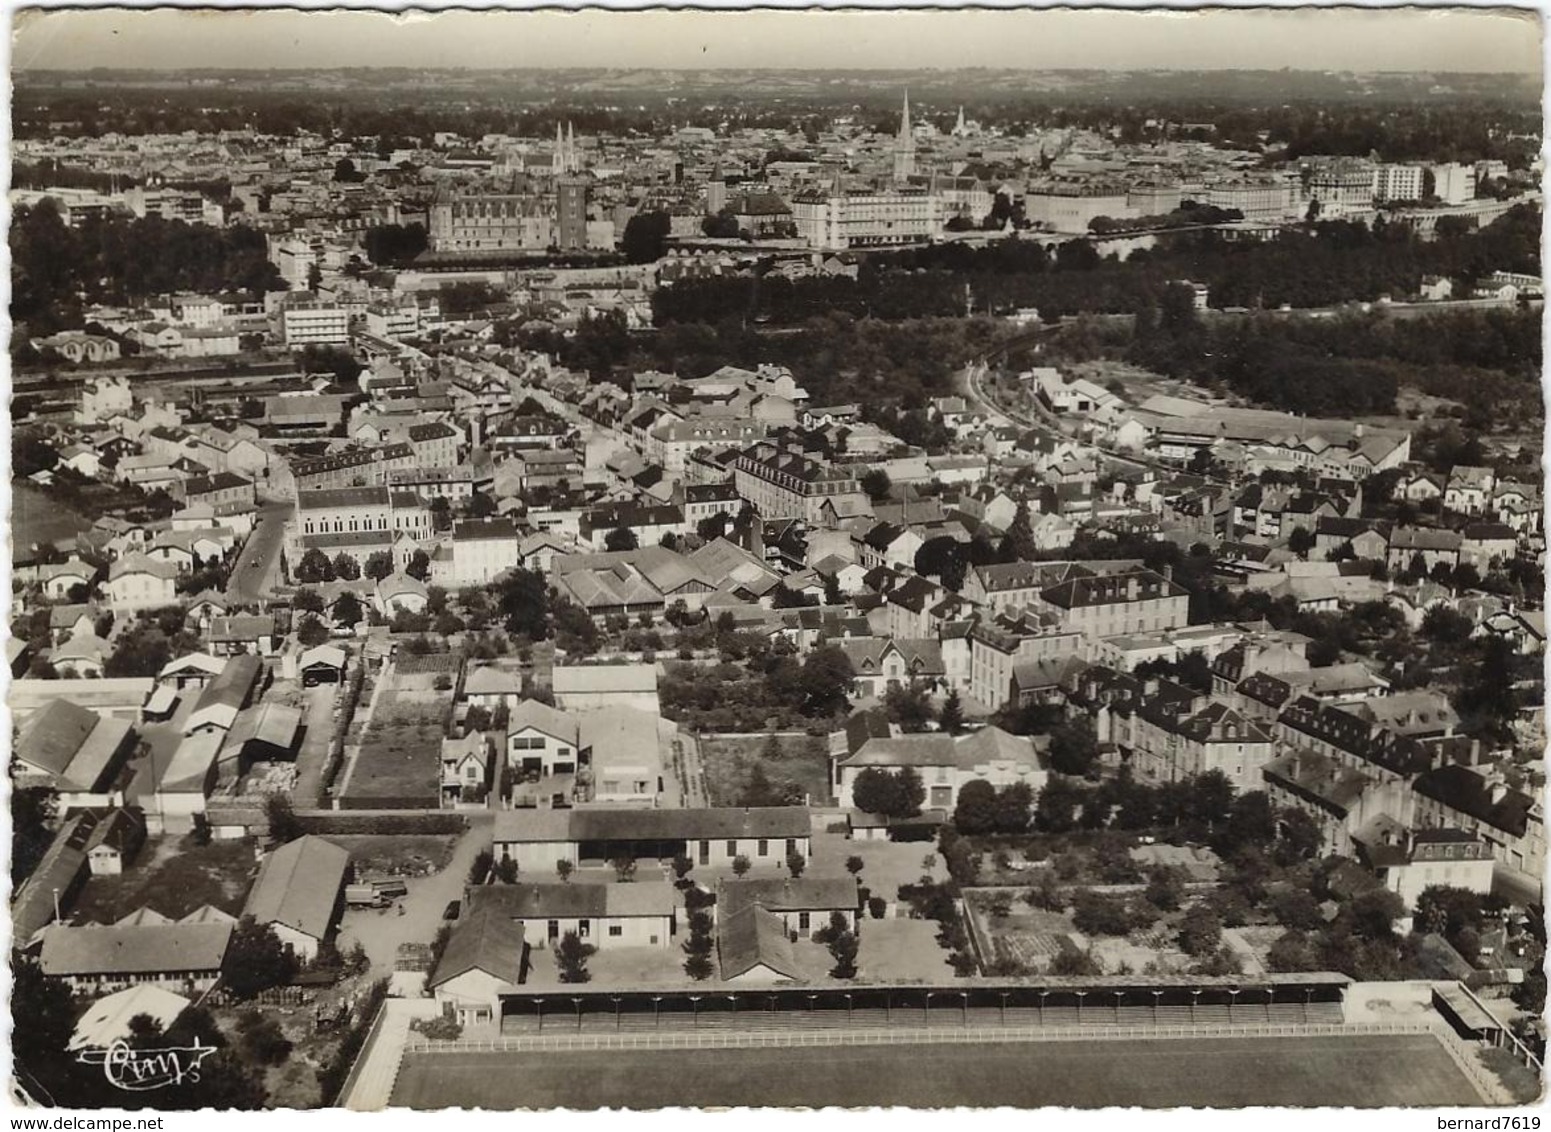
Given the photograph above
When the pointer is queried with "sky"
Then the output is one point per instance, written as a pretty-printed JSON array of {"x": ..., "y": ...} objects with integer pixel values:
[{"x": 1404, "y": 39}]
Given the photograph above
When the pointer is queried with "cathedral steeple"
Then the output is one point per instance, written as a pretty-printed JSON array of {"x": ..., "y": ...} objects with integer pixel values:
[{"x": 904, "y": 147}]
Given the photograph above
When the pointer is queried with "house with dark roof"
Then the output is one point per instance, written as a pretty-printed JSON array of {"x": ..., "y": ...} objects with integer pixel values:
[
  {"x": 640, "y": 914},
  {"x": 1169, "y": 733},
  {"x": 766, "y": 835},
  {"x": 1340, "y": 798},
  {"x": 944, "y": 762},
  {"x": 485, "y": 956},
  {"x": 300, "y": 892},
  {"x": 1430, "y": 545},
  {"x": 881, "y": 663},
  {"x": 752, "y": 947},
  {"x": 54, "y": 883},
  {"x": 1510, "y": 821},
  {"x": 804, "y": 904},
  {"x": 1107, "y": 605},
  {"x": 237, "y": 685},
  {"x": 74, "y": 751},
  {"x": 97, "y": 958}
]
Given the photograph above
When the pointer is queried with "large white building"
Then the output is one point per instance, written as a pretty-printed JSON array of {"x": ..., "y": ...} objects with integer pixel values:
[
  {"x": 836, "y": 219},
  {"x": 1397, "y": 182},
  {"x": 315, "y": 323}
]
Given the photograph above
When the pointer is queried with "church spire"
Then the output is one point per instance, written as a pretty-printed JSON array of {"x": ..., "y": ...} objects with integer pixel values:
[{"x": 904, "y": 147}]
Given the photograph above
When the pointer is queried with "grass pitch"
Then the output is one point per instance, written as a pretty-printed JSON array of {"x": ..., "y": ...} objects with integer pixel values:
[{"x": 1365, "y": 1071}]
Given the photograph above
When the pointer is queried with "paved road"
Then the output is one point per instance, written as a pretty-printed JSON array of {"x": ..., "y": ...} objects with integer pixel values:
[
  {"x": 380, "y": 933},
  {"x": 249, "y": 582}
]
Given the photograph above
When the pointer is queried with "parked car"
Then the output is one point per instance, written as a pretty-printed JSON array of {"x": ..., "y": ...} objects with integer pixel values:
[{"x": 451, "y": 911}]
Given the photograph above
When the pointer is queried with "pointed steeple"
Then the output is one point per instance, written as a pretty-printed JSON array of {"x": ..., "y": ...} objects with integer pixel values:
[
  {"x": 904, "y": 147},
  {"x": 557, "y": 162},
  {"x": 959, "y": 130}
]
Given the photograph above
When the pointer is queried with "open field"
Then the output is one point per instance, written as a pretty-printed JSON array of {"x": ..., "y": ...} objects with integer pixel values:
[
  {"x": 174, "y": 877},
  {"x": 728, "y": 762},
  {"x": 400, "y": 756},
  {"x": 36, "y": 518},
  {"x": 1360, "y": 1071}
]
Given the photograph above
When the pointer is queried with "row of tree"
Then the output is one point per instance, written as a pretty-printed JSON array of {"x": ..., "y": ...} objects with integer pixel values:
[{"x": 57, "y": 271}]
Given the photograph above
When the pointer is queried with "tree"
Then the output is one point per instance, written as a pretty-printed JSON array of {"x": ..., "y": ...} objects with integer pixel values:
[
  {"x": 1200, "y": 933},
  {"x": 571, "y": 957},
  {"x": 1055, "y": 811},
  {"x": 564, "y": 869},
  {"x": 42, "y": 1009},
  {"x": 1095, "y": 913},
  {"x": 908, "y": 706},
  {"x": 506, "y": 870},
  {"x": 827, "y": 676},
  {"x": 1299, "y": 837},
  {"x": 346, "y": 568},
  {"x": 855, "y": 865},
  {"x": 1019, "y": 544},
  {"x": 1301, "y": 541},
  {"x": 796, "y": 863},
  {"x": 1372, "y": 914},
  {"x": 621, "y": 538},
  {"x": 645, "y": 235},
  {"x": 479, "y": 868},
  {"x": 379, "y": 565},
  {"x": 1070, "y": 961},
  {"x": 682, "y": 865},
  {"x": 876, "y": 483},
  {"x": 1165, "y": 889},
  {"x": 1295, "y": 908},
  {"x": 311, "y": 632},
  {"x": 32, "y": 813},
  {"x": 741, "y": 865},
  {"x": 347, "y": 610},
  {"x": 1447, "y": 910},
  {"x": 283, "y": 823},
  {"x": 951, "y": 719},
  {"x": 1291, "y": 952},
  {"x": 308, "y": 600},
  {"x": 624, "y": 868},
  {"x": 1074, "y": 747},
  {"x": 256, "y": 959},
  {"x": 523, "y": 602},
  {"x": 314, "y": 567},
  {"x": 842, "y": 943},
  {"x": 419, "y": 566},
  {"x": 976, "y": 811},
  {"x": 699, "y": 967}
]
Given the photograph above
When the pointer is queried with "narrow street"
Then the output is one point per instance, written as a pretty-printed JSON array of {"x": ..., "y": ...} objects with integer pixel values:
[{"x": 258, "y": 566}]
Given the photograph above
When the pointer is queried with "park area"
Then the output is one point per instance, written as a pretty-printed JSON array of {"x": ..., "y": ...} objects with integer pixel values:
[
  {"x": 798, "y": 761},
  {"x": 1364, "y": 1071},
  {"x": 174, "y": 877}
]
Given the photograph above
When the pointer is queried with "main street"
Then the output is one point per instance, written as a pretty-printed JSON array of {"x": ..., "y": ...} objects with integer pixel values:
[{"x": 258, "y": 568}]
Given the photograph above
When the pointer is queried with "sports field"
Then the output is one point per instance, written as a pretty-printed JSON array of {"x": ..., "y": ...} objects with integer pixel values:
[{"x": 1364, "y": 1071}]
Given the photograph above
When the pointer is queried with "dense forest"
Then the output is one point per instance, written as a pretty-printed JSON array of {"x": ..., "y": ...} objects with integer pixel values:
[
  {"x": 56, "y": 271},
  {"x": 1487, "y": 360}
]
